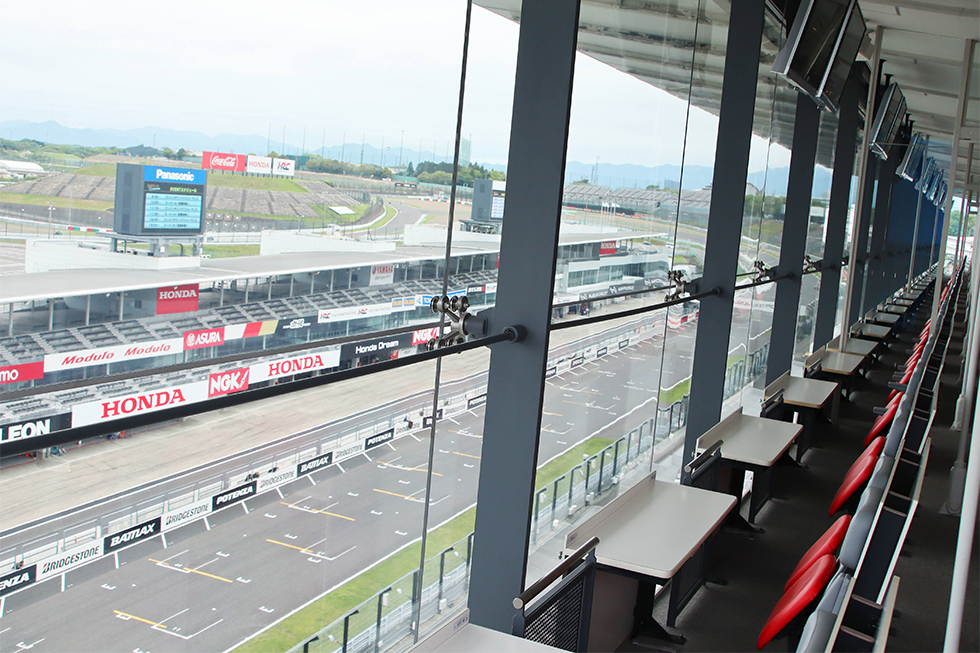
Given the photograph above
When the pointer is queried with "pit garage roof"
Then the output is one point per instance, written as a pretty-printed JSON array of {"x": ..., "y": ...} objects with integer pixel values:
[
  {"x": 662, "y": 41},
  {"x": 79, "y": 283}
]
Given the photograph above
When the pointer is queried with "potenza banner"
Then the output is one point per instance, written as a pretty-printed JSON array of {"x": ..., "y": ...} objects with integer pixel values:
[
  {"x": 223, "y": 161},
  {"x": 260, "y": 165},
  {"x": 18, "y": 579}
]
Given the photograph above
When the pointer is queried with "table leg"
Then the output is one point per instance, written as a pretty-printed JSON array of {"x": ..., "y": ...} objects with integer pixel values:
[
  {"x": 644, "y": 625},
  {"x": 735, "y": 522}
]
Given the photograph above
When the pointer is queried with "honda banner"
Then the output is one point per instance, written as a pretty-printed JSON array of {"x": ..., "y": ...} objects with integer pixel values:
[
  {"x": 24, "y": 372},
  {"x": 108, "y": 409},
  {"x": 114, "y": 354},
  {"x": 223, "y": 161},
  {"x": 295, "y": 365},
  {"x": 607, "y": 247},
  {"x": 261, "y": 165},
  {"x": 283, "y": 167},
  {"x": 177, "y": 299}
]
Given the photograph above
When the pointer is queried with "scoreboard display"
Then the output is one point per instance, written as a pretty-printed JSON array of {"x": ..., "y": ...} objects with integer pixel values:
[
  {"x": 173, "y": 198},
  {"x": 159, "y": 201}
]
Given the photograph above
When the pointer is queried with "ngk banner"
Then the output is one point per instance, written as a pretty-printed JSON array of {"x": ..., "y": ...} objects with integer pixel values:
[
  {"x": 382, "y": 275},
  {"x": 283, "y": 167},
  {"x": 223, "y": 383},
  {"x": 205, "y": 338},
  {"x": 18, "y": 373},
  {"x": 261, "y": 165},
  {"x": 295, "y": 365},
  {"x": 114, "y": 354},
  {"x": 106, "y": 410},
  {"x": 177, "y": 299},
  {"x": 223, "y": 161}
]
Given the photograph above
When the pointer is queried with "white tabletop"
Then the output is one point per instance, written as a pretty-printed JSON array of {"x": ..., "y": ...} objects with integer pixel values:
[
  {"x": 901, "y": 301},
  {"x": 892, "y": 309},
  {"x": 873, "y": 330},
  {"x": 836, "y": 362},
  {"x": 810, "y": 393},
  {"x": 854, "y": 346},
  {"x": 461, "y": 636},
  {"x": 654, "y": 527},
  {"x": 887, "y": 318},
  {"x": 751, "y": 440}
]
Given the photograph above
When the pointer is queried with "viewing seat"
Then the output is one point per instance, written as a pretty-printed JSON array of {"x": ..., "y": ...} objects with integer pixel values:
[
  {"x": 797, "y": 599},
  {"x": 829, "y": 542},
  {"x": 859, "y": 474}
]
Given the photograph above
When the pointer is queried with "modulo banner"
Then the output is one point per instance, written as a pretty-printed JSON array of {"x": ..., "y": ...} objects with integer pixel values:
[{"x": 19, "y": 373}]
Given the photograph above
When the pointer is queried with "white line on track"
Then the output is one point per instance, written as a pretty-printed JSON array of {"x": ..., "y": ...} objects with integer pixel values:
[{"x": 175, "y": 555}]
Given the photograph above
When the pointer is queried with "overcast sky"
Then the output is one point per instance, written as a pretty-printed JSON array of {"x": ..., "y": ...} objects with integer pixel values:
[{"x": 383, "y": 68}]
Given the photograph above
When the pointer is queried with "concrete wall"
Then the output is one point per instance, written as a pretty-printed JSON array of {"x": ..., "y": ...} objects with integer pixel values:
[{"x": 46, "y": 255}]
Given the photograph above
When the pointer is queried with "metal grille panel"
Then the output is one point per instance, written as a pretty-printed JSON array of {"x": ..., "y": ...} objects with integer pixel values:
[{"x": 556, "y": 621}]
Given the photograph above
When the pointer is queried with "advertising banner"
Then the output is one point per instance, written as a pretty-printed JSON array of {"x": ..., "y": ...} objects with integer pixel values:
[
  {"x": 607, "y": 247},
  {"x": 24, "y": 372},
  {"x": 283, "y": 167},
  {"x": 186, "y": 514},
  {"x": 138, "y": 532},
  {"x": 347, "y": 452},
  {"x": 379, "y": 439},
  {"x": 177, "y": 299},
  {"x": 353, "y": 313},
  {"x": 378, "y": 346},
  {"x": 205, "y": 338},
  {"x": 234, "y": 495},
  {"x": 294, "y": 365},
  {"x": 105, "y": 410},
  {"x": 18, "y": 579},
  {"x": 260, "y": 165},
  {"x": 474, "y": 402},
  {"x": 223, "y": 161},
  {"x": 422, "y": 336},
  {"x": 223, "y": 383},
  {"x": 62, "y": 562},
  {"x": 114, "y": 354},
  {"x": 276, "y": 478},
  {"x": 35, "y": 427},
  {"x": 403, "y": 304},
  {"x": 382, "y": 275},
  {"x": 295, "y": 326},
  {"x": 313, "y": 464}
]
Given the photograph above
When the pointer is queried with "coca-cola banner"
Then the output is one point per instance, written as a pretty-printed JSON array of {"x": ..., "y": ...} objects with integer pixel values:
[
  {"x": 177, "y": 299},
  {"x": 223, "y": 161},
  {"x": 261, "y": 165},
  {"x": 283, "y": 167}
]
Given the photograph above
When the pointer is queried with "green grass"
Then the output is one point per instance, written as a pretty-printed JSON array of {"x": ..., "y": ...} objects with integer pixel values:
[
  {"x": 382, "y": 221},
  {"x": 332, "y": 218},
  {"x": 220, "y": 180},
  {"x": 230, "y": 251},
  {"x": 98, "y": 170},
  {"x": 59, "y": 202},
  {"x": 548, "y": 472},
  {"x": 667, "y": 397},
  {"x": 341, "y": 601}
]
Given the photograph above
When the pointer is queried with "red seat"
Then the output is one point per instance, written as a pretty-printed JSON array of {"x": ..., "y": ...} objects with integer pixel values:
[
  {"x": 872, "y": 448},
  {"x": 829, "y": 542},
  {"x": 802, "y": 593},
  {"x": 882, "y": 421},
  {"x": 857, "y": 476}
]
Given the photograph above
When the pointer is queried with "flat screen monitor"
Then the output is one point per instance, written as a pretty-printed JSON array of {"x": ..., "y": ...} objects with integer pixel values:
[
  {"x": 888, "y": 118},
  {"x": 922, "y": 185},
  {"x": 911, "y": 166},
  {"x": 812, "y": 43},
  {"x": 840, "y": 68}
]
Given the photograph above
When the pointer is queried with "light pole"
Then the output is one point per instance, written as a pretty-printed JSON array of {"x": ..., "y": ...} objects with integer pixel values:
[
  {"x": 347, "y": 628},
  {"x": 50, "y": 209}
]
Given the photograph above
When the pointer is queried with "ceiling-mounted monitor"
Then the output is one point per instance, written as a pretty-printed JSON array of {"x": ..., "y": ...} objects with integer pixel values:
[
  {"x": 812, "y": 43},
  {"x": 840, "y": 67},
  {"x": 911, "y": 166},
  {"x": 929, "y": 169},
  {"x": 888, "y": 118}
]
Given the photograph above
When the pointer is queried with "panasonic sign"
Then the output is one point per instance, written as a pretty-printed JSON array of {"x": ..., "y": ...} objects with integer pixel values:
[{"x": 131, "y": 535}]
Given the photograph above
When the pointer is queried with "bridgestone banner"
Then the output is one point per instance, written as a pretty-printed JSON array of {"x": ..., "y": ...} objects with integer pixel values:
[
  {"x": 347, "y": 452},
  {"x": 276, "y": 478},
  {"x": 185, "y": 515},
  {"x": 132, "y": 535},
  {"x": 59, "y": 564},
  {"x": 18, "y": 579},
  {"x": 235, "y": 495}
]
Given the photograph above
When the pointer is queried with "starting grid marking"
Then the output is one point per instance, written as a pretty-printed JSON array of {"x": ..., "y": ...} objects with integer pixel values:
[
  {"x": 160, "y": 626},
  {"x": 314, "y": 510},
  {"x": 185, "y": 570},
  {"x": 315, "y": 554}
]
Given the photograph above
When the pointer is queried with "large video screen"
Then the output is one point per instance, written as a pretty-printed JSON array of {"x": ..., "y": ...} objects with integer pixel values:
[{"x": 173, "y": 198}]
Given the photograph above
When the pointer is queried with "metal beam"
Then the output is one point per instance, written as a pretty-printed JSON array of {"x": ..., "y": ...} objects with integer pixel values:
[
  {"x": 528, "y": 251},
  {"x": 792, "y": 247},
  {"x": 725, "y": 218},
  {"x": 840, "y": 197}
]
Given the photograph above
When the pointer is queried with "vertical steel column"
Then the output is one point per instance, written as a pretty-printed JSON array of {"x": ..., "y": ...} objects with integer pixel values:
[
  {"x": 528, "y": 251},
  {"x": 874, "y": 286},
  {"x": 725, "y": 218},
  {"x": 840, "y": 197},
  {"x": 859, "y": 250},
  {"x": 792, "y": 247}
]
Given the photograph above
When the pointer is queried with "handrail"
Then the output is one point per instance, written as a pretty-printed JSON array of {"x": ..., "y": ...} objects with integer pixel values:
[
  {"x": 700, "y": 460},
  {"x": 634, "y": 311},
  {"x": 553, "y": 575}
]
